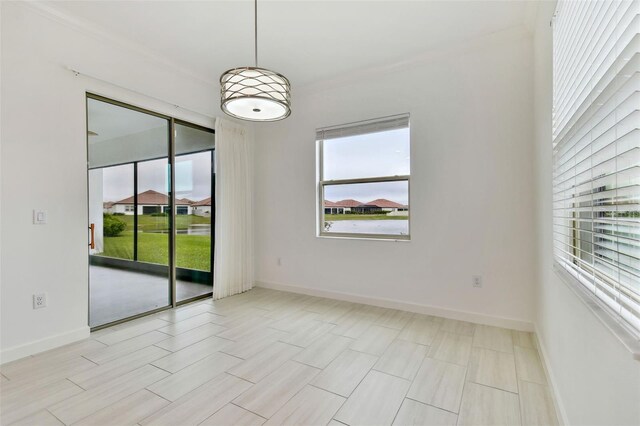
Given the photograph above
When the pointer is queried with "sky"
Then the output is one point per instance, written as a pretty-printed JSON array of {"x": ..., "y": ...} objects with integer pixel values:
[
  {"x": 364, "y": 156},
  {"x": 193, "y": 178}
]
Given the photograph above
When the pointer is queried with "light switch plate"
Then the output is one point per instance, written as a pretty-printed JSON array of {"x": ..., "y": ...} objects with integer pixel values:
[{"x": 39, "y": 217}]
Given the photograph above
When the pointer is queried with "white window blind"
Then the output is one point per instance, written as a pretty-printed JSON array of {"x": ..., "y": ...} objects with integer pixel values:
[
  {"x": 596, "y": 150},
  {"x": 363, "y": 127}
]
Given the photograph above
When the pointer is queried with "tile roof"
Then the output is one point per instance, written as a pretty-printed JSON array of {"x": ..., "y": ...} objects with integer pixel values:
[
  {"x": 153, "y": 198},
  {"x": 384, "y": 203},
  {"x": 347, "y": 203},
  {"x": 380, "y": 202},
  {"x": 205, "y": 202}
]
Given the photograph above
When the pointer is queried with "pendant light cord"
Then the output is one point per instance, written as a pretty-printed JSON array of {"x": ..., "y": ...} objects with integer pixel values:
[{"x": 255, "y": 29}]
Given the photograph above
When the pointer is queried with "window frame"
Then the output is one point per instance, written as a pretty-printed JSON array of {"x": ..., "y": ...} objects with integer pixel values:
[
  {"x": 174, "y": 300},
  {"x": 322, "y": 183}
]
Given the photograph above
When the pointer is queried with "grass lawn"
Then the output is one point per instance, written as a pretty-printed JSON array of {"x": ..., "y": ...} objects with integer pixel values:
[
  {"x": 147, "y": 222},
  {"x": 192, "y": 251},
  {"x": 334, "y": 217}
]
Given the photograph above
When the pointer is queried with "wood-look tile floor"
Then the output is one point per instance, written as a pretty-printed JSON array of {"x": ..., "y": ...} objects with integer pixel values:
[{"x": 274, "y": 358}]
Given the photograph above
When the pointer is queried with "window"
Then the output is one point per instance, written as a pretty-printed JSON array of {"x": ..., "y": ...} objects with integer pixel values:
[
  {"x": 151, "y": 209},
  {"x": 596, "y": 151},
  {"x": 128, "y": 208},
  {"x": 363, "y": 188}
]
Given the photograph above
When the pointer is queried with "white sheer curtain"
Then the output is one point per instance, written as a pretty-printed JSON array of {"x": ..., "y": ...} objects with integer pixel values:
[{"x": 233, "y": 261}]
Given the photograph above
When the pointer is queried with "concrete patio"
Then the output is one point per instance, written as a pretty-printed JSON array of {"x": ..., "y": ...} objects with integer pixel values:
[{"x": 115, "y": 293}]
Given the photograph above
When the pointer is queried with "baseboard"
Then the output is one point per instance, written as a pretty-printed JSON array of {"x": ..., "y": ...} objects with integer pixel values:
[
  {"x": 32, "y": 348},
  {"x": 405, "y": 306},
  {"x": 557, "y": 401}
]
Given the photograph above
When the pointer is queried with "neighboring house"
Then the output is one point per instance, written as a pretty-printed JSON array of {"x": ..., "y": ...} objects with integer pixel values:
[
  {"x": 183, "y": 206},
  {"x": 330, "y": 207},
  {"x": 340, "y": 207},
  {"x": 150, "y": 202},
  {"x": 202, "y": 207},
  {"x": 381, "y": 205},
  {"x": 107, "y": 207}
]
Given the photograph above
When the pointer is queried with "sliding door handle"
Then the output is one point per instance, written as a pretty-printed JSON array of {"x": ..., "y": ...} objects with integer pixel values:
[{"x": 92, "y": 243}]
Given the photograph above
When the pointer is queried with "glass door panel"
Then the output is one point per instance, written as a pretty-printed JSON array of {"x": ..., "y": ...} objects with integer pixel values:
[
  {"x": 129, "y": 199},
  {"x": 113, "y": 233},
  {"x": 194, "y": 217},
  {"x": 153, "y": 226}
]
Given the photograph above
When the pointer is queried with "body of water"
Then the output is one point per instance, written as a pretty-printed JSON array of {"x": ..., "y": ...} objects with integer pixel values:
[
  {"x": 200, "y": 229},
  {"x": 393, "y": 227}
]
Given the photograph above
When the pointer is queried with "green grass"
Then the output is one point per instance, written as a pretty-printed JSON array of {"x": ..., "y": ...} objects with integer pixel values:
[
  {"x": 192, "y": 251},
  {"x": 161, "y": 223},
  {"x": 334, "y": 217}
]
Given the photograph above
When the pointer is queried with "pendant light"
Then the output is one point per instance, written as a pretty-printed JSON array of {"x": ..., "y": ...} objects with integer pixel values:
[{"x": 253, "y": 93}]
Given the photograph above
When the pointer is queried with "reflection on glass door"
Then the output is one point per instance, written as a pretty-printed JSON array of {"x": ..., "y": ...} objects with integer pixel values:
[
  {"x": 194, "y": 211},
  {"x": 129, "y": 208}
]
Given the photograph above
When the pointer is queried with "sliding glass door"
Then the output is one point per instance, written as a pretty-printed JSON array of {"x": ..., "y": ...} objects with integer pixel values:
[
  {"x": 194, "y": 183},
  {"x": 150, "y": 244}
]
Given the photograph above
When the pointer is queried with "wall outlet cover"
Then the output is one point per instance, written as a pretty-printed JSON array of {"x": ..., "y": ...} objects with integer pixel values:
[
  {"x": 39, "y": 300},
  {"x": 477, "y": 281}
]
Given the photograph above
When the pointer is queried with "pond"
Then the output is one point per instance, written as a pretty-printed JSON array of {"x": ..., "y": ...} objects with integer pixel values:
[
  {"x": 198, "y": 229},
  {"x": 393, "y": 227}
]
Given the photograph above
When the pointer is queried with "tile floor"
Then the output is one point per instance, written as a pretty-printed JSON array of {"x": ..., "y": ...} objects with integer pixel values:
[{"x": 272, "y": 358}]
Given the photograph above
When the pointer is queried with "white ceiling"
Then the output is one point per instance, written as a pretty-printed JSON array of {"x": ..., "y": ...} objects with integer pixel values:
[{"x": 308, "y": 41}]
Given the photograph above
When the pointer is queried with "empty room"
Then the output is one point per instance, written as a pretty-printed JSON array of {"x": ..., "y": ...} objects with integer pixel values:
[{"x": 320, "y": 212}]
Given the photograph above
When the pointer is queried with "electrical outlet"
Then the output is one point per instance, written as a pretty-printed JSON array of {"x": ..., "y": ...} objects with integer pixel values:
[
  {"x": 477, "y": 281},
  {"x": 39, "y": 300}
]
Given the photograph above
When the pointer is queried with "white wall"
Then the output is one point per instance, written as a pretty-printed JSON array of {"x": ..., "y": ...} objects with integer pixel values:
[
  {"x": 596, "y": 380},
  {"x": 44, "y": 159},
  {"x": 472, "y": 185}
]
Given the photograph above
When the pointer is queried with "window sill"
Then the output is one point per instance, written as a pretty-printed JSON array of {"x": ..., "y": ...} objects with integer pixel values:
[
  {"x": 619, "y": 330},
  {"x": 365, "y": 238}
]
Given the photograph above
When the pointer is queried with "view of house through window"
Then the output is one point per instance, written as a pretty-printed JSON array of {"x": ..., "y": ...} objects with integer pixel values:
[
  {"x": 364, "y": 173},
  {"x": 193, "y": 216}
]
